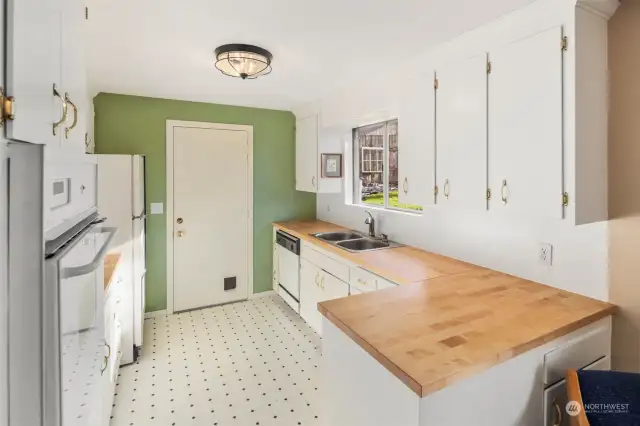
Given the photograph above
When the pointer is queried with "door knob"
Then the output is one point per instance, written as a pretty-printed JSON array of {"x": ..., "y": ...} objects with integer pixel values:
[
  {"x": 180, "y": 234},
  {"x": 179, "y": 220}
]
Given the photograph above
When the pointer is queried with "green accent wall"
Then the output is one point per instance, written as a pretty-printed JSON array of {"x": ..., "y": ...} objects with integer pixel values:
[{"x": 137, "y": 125}]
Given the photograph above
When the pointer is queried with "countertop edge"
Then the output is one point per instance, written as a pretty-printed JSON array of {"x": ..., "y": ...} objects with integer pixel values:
[{"x": 377, "y": 355}]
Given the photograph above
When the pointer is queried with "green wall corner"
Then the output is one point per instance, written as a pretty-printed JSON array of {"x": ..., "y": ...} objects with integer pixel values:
[{"x": 137, "y": 125}]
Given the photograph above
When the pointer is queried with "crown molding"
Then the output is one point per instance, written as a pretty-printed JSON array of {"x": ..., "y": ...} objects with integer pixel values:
[{"x": 602, "y": 8}]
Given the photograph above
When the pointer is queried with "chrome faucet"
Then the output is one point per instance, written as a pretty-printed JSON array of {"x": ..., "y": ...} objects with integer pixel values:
[{"x": 372, "y": 225}]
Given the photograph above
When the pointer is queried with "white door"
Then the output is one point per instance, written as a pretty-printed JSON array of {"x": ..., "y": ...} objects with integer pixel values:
[
  {"x": 307, "y": 154},
  {"x": 74, "y": 75},
  {"x": 525, "y": 126},
  {"x": 33, "y": 67},
  {"x": 461, "y": 134},
  {"x": 210, "y": 216},
  {"x": 415, "y": 155},
  {"x": 139, "y": 246}
]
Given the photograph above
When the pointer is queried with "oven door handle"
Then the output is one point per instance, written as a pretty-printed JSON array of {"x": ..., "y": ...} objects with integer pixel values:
[{"x": 77, "y": 271}]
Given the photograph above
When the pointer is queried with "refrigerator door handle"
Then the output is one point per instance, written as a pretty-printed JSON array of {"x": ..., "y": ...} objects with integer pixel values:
[{"x": 97, "y": 261}]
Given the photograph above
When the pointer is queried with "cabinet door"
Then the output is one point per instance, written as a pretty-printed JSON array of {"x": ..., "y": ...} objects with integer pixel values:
[
  {"x": 461, "y": 134},
  {"x": 332, "y": 287},
  {"x": 33, "y": 67},
  {"x": 309, "y": 294},
  {"x": 525, "y": 125},
  {"x": 275, "y": 262},
  {"x": 415, "y": 153},
  {"x": 74, "y": 78},
  {"x": 307, "y": 154}
]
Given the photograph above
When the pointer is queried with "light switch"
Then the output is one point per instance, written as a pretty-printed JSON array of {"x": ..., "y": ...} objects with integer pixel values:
[{"x": 157, "y": 208}]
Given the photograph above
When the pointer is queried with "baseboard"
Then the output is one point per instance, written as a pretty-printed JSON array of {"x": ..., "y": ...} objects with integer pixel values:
[
  {"x": 262, "y": 294},
  {"x": 154, "y": 314}
]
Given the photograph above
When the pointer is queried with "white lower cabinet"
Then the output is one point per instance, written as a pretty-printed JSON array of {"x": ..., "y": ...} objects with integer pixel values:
[
  {"x": 113, "y": 343},
  {"x": 275, "y": 262},
  {"x": 317, "y": 286}
]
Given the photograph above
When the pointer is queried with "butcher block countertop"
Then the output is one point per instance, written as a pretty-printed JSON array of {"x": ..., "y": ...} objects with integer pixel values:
[
  {"x": 454, "y": 321},
  {"x": 110, "y": 265}
]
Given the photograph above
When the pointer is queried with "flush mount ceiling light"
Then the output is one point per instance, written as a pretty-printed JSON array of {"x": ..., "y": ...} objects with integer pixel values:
[{"x": 243, "y": 60}]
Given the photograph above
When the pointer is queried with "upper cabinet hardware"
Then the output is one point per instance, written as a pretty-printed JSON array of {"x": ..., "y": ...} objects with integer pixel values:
[
  {"x": 488, "y": 67},
  {"x": 503, "y": 191},
  {"x": 435, "y": 83},
  {"x": 75, "y": 116},
  {"x": 565, "y": 199},
  {"x": 565, "y": 43},
  {"x": 405, "y": 185},
  {"x": 64, "y": 109},
  {"x": 7, "y": 104},
  {"x": 445, "y": 189},
  {"x": 488, "y": 194}
]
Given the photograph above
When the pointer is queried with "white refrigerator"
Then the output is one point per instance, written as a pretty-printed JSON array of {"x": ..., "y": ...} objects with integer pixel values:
[{"x": 121, "y": 198}]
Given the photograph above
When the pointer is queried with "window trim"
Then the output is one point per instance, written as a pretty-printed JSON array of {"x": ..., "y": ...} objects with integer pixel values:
[{"x": 357, "y": 152}]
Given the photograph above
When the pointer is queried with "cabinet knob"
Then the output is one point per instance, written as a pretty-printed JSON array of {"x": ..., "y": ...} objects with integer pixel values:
[
  {"x": 179, "y": 220},
  {"x": 180, "y": 234}
]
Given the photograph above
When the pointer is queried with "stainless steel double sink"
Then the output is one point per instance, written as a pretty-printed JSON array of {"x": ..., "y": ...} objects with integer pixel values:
[{"x": 354, "y": 242}]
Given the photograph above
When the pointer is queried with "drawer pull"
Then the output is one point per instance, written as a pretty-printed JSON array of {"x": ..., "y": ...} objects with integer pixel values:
[
  {"x": 104, "y": 368},
  {"x": 108, "y": 347},
  {"x": 558, "y": 414},
  {"x": 75, "y": 116},
  {"x": 64, "y": 110}
]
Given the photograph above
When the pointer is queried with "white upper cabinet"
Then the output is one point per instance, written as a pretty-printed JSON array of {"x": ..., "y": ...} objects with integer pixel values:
[
  {"x": 461, "y": 134},
  {"x": 307, "y": 162},
  {"x": 33, "y": 69},
  {"x": 415, "y": 154},
  {"x": 74, "y": 77},
  {"x": 525, "y": 126}
]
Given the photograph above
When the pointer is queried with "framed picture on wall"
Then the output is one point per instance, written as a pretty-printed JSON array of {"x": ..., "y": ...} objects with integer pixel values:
[{"x": 331, "y": 165}]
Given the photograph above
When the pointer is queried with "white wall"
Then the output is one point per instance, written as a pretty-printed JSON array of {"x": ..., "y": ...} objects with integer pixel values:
[{"x": 508, "y": 244}]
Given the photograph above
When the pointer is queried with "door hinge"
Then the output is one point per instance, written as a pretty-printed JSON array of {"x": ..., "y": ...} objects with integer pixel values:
[
  {"x": 86, "y": 13},
  {"x": 565, "y": 199},
  {"x": 435, "y": 83},
  {"x": 435, "y": 190},
  {"x": 488, "y": 194},
  {"x": 565, "y": 43},
  {"x": 7, "y": 107},
  {"x": 488, "y": 67}
]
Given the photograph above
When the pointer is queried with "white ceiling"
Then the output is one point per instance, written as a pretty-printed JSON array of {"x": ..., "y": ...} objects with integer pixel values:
[{"x": 164, "y": 48}]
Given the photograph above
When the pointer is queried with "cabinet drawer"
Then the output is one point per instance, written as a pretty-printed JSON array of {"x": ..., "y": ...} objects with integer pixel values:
[
  {"x": 577, "y": 354},
  {"x": 382, "y": 283},
  {"x": 555, "y": 397},
  {"x": 363, "y": 280},
  {"x": 323, "y": 261}
]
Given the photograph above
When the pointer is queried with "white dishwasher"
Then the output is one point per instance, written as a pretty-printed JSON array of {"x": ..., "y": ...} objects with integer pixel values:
[{"x": 289, "y": 269}]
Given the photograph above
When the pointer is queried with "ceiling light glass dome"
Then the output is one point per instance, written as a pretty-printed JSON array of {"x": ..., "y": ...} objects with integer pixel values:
[{"x": 243, "y": 60}]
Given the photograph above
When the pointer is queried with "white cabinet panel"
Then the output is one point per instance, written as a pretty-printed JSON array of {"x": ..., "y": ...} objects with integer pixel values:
[
  {"x": 461, "y": 134},
  {"x": 331, "y": 287},
  {"x": 525, "y": 126},
  {"x": 307, "y": 154},
  {"x": 416, "y": 143},
  {"x": 310, "y": 294},
  {"x": 33, "y": 67},
  {"x": 74, "y": 78}
]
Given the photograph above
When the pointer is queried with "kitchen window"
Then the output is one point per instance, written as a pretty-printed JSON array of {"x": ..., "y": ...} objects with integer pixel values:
[{"x": 375, "y": 153}]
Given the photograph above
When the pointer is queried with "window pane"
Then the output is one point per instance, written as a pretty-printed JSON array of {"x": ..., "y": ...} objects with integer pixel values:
[
  {"x": 393, "y": 169},
  {"x": 369, "y": 145}
]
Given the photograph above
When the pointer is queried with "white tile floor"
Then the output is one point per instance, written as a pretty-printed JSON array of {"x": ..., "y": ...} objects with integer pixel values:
[{"x": 248, "y": 363}]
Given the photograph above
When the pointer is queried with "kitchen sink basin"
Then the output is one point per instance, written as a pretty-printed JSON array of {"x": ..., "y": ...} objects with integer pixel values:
[
  {"x": 363, "y": 244},
  {"x": 337, "y": 236}
]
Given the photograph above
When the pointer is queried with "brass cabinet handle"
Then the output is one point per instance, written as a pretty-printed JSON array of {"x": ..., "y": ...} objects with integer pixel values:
[
  {"x": 503, "y": 190},
  {"x": 64, "y": 109},
  {"x": 75, "y": 116},
  {"x": 317, "y": 279},
  {"x": 558, "y": 415},
  {"x": 405, "y": 185},
  {"x": 322, "y": 283},
  {"x": 108, "y": 347},
  {"x": 106, "y": 363},
  {"x": 445, "y": 189}
]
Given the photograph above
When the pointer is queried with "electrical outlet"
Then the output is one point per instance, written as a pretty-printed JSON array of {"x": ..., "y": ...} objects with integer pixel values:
[{"x": 545, "y": 254}]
